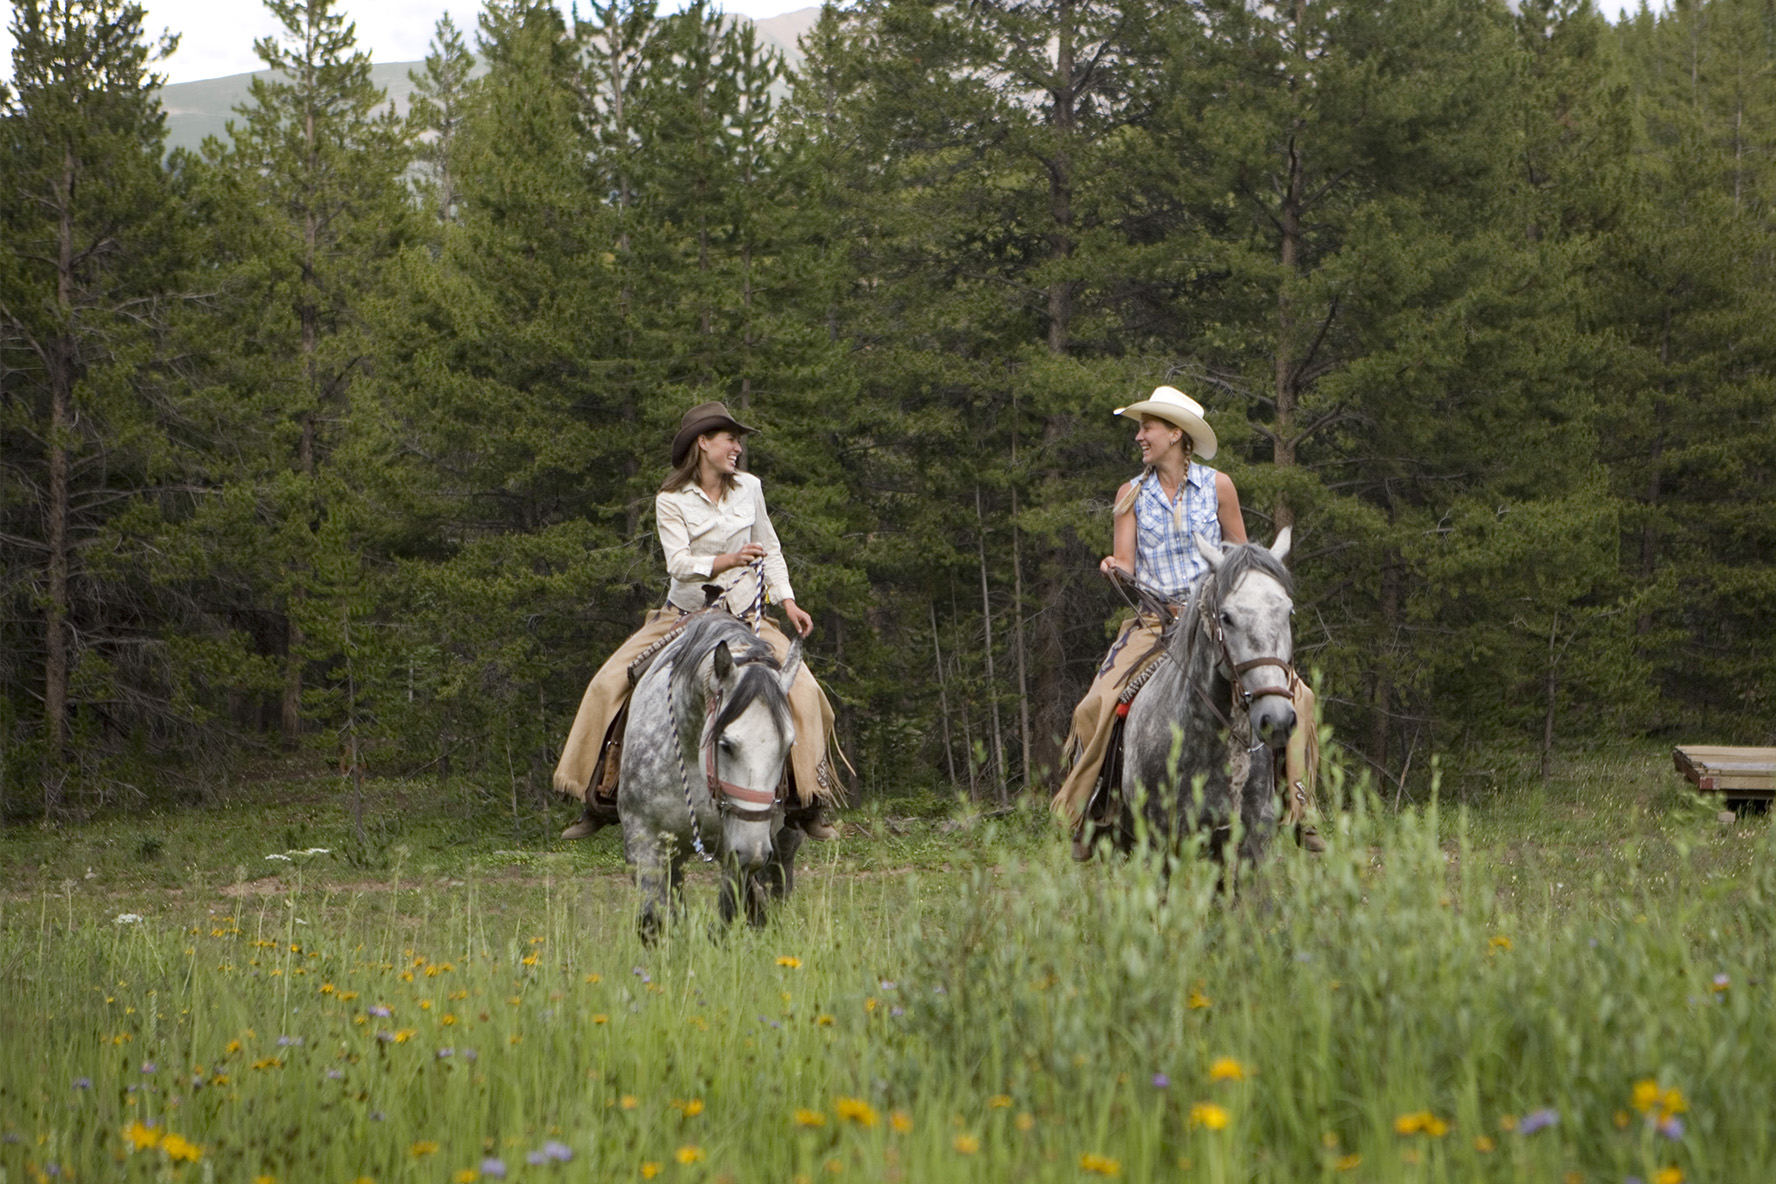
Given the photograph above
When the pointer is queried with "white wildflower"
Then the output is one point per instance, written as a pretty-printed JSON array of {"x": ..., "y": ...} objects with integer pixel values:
[
  {"x": 281, "y": 858},
  {"x": 129, "y": 918}
]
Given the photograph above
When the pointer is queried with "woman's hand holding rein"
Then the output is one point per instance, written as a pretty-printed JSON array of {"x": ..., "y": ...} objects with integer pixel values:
[{"x": 732, "y": 559}]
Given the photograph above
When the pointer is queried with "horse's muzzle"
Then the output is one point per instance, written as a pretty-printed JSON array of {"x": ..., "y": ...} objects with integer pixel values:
[{"x": 1273, "y": 719}]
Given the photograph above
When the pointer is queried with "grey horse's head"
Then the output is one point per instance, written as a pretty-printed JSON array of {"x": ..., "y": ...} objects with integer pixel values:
[
  {"x": 1249, "y": 601},
  {"x": 751, "y": 734}
]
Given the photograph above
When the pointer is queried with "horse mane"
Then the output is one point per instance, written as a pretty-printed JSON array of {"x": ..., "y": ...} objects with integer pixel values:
[
  {"x": 1236, "y": 561},
  {"x": 755, "y": 660}
]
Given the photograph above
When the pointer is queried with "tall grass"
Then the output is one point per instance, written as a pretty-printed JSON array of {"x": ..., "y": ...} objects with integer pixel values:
[{"x": 1380, "y": 1013}]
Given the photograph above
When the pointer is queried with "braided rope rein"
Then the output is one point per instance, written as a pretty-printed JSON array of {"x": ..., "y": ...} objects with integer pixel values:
[{"x": 684, "y": 777}]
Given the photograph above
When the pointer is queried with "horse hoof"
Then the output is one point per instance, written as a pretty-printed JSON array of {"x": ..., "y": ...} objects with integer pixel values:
[{"x": 1309, "y": 840}]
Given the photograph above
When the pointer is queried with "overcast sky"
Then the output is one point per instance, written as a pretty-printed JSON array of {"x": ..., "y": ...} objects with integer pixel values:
[{"x": 216, "y": 36}]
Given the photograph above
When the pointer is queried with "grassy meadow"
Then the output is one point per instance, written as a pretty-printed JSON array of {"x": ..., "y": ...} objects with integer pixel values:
[{"x": 1569, "y": 982}]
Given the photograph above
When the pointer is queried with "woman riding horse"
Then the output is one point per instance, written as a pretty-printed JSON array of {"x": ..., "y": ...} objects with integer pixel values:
[
  {"x": 1156, "y": 516},
  {"x": 712, "y": 523}
]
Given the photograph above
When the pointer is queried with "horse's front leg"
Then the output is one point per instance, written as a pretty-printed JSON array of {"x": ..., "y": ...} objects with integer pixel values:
[
  {"x": 779, "y": 874},
  {"x": 1258, "y": 810},
  {"x": 657, "y": 874},
  {"x": 733, "y": 887}
]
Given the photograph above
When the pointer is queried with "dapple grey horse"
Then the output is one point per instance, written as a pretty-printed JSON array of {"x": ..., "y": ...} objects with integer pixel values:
[
  {"x": 703, "y": 753},
  {"x": 1220, "y": 693}
]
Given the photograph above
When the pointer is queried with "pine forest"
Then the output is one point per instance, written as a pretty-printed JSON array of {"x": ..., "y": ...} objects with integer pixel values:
[{"x": 334, "y": 444}]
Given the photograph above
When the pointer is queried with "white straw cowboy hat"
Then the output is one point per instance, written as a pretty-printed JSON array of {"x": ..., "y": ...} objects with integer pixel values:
[{"x": 1176, "y": 407}]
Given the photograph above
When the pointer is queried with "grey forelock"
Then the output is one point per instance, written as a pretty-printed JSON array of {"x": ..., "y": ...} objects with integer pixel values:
[
  {"x": 1240, "y": 560},
  {"x": 759, "y": 668}
]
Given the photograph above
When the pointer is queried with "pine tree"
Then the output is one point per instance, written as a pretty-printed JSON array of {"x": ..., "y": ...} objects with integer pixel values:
[
  {"x": 435, "y": 116},
  {"x": 87, "y": 278},
  {"x": 310, "y": 199}
]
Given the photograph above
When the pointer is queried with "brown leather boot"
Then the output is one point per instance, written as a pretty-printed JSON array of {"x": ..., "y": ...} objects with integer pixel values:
[
  {"x": 815, "y": 826},
  {"x": 592, "y": 819},
  {"x": 1309, "y": 840}
]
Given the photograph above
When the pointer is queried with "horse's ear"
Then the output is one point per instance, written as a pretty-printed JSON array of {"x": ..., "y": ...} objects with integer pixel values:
[
  {"x": 1211, "y": 553},
  {"x": 792, "y": 662},
  {"x": 724, "y": 662},
  {"x": 1280, "y": 548}
]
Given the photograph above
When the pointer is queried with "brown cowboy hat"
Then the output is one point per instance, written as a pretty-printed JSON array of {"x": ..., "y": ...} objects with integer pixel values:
[{"x": 700, "y": 421}]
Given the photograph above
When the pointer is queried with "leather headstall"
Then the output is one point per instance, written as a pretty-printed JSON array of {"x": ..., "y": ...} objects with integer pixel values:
[{"x": 754, "y": 805}]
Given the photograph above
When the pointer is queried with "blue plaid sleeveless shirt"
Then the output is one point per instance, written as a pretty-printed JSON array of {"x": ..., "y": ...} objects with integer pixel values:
[{"x": 1166, "y": 558}]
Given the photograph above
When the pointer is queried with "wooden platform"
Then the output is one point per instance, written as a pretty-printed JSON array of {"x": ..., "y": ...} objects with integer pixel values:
[{"x": 1734, "y": 773}]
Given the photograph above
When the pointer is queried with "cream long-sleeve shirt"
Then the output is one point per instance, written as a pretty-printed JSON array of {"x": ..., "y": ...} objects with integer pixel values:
[{"x": 694, "y": 530}]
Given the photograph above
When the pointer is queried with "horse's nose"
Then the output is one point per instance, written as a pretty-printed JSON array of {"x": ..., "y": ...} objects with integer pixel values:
[{"x": 1273, "y": 719}]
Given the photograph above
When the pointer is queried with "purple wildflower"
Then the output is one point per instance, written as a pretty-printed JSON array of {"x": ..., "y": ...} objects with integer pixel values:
[
  {"x": 385, "y": 1036},
  {"x": 559, "y": 1152},
  {"x": 381, "y": 1012},
  {"x": 335, "y": 1075},
  {"x": 1536, "y": 1120},
  {"x": 493, "y": 1168},
  {"x": 888, "y": 984},
  {"x": 9, "y": 1137},
  {"x": 536, "y": 1159},
  {"x": 1161, "y": 1081},
  {"x": 149, "y": 1067},
  {"x": 52, "y": 1169},
  {"x": 83, "y": 1083},
  {"x": 377, "y": 1116},
  {"x": 1672, "y": 1127},
  {"x": 896, "y": 1012},
  {"x": 287, "y": 1041},
  {"x": 444, "y": 1052}
]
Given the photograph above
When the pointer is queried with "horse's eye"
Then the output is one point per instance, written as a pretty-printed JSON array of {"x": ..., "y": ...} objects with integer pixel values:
[
  {"x": 1226, "y": 617},
  {"x": 727, "y": 746}
]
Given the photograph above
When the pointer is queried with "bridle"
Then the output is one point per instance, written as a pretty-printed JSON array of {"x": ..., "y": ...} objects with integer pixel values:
[
  {"x": 754, "y": 805},
  {"x": 1236, "y": 670}
]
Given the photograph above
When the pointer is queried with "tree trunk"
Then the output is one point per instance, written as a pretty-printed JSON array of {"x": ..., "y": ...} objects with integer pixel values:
[
  {"x": 1381, "y": 704},
  {"x": 61, "y": 394},
  {"x": 1552, "y": 690},
  {"x": 1287, "y": 374},
  {"x": 943, "y": 698},
  {"x": 987, "y": 623},
  {"x": 1060, "y": 183}
]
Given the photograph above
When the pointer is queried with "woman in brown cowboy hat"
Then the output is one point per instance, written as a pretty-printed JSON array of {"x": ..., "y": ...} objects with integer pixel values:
[
  {"x": 716, "y": 535},
  {"x": 1156, "y": 518}
]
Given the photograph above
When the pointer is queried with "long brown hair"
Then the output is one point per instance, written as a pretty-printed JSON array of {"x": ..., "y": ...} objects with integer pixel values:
[{"x": 685, "y": 471}]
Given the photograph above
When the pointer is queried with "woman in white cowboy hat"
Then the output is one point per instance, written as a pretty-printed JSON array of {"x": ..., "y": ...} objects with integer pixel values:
[
  {"x": 1156, "y": 517},
  {"x": 713, "y": 528}
]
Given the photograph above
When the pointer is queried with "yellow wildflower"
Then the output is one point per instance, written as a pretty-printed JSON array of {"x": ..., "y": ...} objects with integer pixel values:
[
  {"x": 823, "y": 1020},
  {"x": 900, "y": 1122},
  {"x": 790, "y": 961},
  {"x": 649, "y": 1169},
  {"x": 405, "y": 1034},
  {"x": 264, "y": 1180},
  {"x": 466, "y": 1176},
  {"x": 692, "y": 1108},
  {"x": 601, "y": 1018},
  {"x": 966, "y": 1144},
  {"x": 1196, "y": 1000},
  {"x": 141, "y": 1138},
  {"x": 1349, "y": 1163},
  {"x": 855, "y": 1110},
  {"x": 529, "y": 959},
  {"x": 328, "y": 989},
  {"x": 1484, "y": 1144},
  {"x": 1670, "y": 1175},
  {"x": 234, "y": 1046},
  {"x": 1499, "y": 942},
  {"x": 807, "y": 1117},
  {"x": 1026, "y": 1121},
  {"x": 1208, "y": 1116},
  {"x": 628, "y": 1102},
  {"x": 834, "y": 1165},
  {"x": 447, "y": 1019},
  {"x": 180, "y": 1150},
  {"x": 423, "y": 1148},
  {"x": 1101, "y": 1165},
  {"x": 269, "y": 1063},
  {"x": 689, "y": 1153},
  {"x": 1226, "y": 1069},
  {"x": 999, "y": 1102}
]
